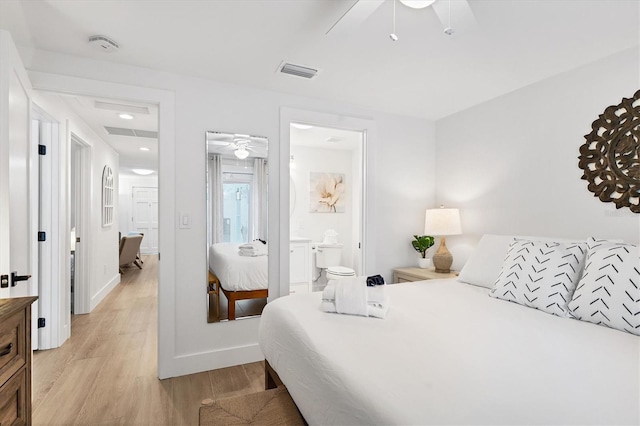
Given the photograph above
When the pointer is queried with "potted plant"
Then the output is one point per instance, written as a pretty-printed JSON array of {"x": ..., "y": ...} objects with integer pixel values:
[{"x": 422, "y": 243}]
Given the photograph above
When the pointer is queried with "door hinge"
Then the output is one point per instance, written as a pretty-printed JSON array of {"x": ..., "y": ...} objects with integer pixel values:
[
  {"x": 42, "y": 149},
  {"x": 4, "y": 281},
  {"x": 41, "y": 322},
  {"x": 158, "y": 256},
  {"x": 42, "y": 236}
]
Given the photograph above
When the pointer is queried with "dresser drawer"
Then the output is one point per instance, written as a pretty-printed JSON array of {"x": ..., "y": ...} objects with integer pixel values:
[
  {"x": 13, "y": 400},
  {"x": 12, "y": 345}
]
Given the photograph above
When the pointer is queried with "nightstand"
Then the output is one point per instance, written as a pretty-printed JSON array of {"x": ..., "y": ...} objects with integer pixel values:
[{"x": 403, "y": 275}]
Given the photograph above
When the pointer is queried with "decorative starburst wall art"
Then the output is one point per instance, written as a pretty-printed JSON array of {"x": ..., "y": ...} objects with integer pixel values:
[{"x": 610, "y": 158}]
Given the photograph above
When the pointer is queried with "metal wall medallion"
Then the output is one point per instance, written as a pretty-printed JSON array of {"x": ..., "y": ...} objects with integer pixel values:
[{"x": 610, "y": 158}]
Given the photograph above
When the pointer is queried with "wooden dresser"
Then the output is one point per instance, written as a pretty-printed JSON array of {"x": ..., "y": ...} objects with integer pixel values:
[{"x": 15, "y": 361}]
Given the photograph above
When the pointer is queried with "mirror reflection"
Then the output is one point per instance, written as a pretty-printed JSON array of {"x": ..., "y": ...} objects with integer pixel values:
[{"x": 237, "y": 234}]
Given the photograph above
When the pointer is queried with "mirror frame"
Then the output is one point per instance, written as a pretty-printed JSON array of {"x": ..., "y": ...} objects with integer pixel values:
[{"x": 213, "y": 284}]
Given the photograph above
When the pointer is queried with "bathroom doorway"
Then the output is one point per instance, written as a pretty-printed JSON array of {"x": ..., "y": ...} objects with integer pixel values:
[{"x": 326, "y": 204}]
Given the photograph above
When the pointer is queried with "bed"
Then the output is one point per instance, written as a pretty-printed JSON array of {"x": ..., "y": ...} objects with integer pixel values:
[
  {"x": 239, "y": 277},
  {"x": 449, "y": 354}
]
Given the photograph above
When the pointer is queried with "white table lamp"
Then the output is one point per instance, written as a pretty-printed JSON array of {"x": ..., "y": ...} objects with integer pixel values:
[{"x": 442, "y": 222}]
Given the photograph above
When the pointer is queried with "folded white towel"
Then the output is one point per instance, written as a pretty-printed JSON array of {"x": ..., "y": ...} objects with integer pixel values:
[
  {"x": 352, "y": 296},
  {"x": 253, "y": 249},
  {"x": 375, "y": 294},
  {"x": 377, "y": 311}
]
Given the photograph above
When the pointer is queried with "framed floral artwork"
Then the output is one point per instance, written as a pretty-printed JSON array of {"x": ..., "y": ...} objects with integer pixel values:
[{"x": 327, "y": 193}]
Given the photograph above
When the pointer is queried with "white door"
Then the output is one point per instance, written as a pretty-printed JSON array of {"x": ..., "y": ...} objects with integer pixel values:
[
  {"x": 18, "y": 180},
  {"x": 145, "y": 217}
]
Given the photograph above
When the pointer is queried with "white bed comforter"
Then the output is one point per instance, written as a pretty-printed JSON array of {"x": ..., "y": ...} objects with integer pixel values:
[
  {"x": 449, "y": 354},
  {"x": 238, "y": 273}
]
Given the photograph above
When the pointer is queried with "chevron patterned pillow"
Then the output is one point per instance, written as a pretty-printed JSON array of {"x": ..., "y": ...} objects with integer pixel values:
[
  {"x": 609, "y": 291},
  {"x": 541, "y": 275}
]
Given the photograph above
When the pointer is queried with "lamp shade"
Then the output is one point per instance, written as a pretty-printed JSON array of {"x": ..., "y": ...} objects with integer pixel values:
[{"x": 442, "y": 222}]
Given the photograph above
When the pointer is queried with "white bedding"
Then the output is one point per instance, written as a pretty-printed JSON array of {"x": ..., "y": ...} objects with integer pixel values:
[
  {"x": 238, "y": 273},
  {"x": 449, "y": 354}
]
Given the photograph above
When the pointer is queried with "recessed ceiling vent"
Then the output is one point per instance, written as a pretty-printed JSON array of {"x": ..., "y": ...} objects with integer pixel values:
[
  {"x": 103, "y": 43},
  {"x": 120, "y": 131},
  {"x": 121, "y": 107},
  {"x": 298, "y": 70}
]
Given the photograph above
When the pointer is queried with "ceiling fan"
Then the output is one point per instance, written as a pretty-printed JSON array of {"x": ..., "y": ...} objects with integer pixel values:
[
  {"x": 240, "y": 144},
  {"x": 455, "y": 15}
]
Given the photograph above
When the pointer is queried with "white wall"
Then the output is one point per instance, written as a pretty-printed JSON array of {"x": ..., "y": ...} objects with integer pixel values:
[
  {"x": 312, "y": 225},
  {"x": 403, "y": 187},
  {"x": 511, "y": 164},
  {"x": 103, "y": 243},
  {"x": 125, "y": 197}
]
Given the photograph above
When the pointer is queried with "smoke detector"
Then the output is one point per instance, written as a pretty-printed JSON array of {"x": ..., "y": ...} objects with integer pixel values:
[{"x": 103, "y": 43}]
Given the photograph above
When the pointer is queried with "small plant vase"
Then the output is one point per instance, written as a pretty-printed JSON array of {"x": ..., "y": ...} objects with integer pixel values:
[{"x": 424, "y": 263}]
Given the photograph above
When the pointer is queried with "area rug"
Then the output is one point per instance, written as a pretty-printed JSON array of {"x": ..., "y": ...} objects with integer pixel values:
[{"x": 270, "y": 407}]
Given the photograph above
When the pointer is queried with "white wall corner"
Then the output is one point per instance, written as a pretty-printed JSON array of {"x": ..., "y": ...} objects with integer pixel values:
[{"x": 104, "y": 291}]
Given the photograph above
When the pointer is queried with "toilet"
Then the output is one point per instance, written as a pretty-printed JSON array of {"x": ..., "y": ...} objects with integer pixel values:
[{"x": 328, "y": 256}]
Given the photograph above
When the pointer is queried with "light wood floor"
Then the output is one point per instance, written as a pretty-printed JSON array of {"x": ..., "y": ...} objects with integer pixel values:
[{"x": 106, "y": 373}]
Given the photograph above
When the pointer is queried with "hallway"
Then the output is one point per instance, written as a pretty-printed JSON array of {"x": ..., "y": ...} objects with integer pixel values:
[{"x": 106, "y": 373}]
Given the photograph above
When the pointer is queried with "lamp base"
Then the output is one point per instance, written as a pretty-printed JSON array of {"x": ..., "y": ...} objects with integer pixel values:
[{"x": 443, "y": 259}]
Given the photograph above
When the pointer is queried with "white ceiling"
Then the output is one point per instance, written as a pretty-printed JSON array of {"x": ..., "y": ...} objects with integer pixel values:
[
  {"x": 424, "y": 74},
  {"x": 128, "y": 147},
  {"x": 326, "y": 138}
]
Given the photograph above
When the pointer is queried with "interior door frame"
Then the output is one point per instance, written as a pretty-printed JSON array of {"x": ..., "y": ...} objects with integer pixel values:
[
  {"x": 168, "y": 353},
  {"x": 368, "y": 223},
  {"x": 47, "y": 129},
  {"x": 83, "y": 213},
  {"x": 11, "y": 66}
]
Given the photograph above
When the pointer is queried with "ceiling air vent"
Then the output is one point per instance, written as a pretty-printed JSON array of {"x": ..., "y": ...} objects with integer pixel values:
[
  {"x": 298, "y": 70},
  {"x": 146, "y": 134},
  {"x": 119, "y": 131},
  {"x": 121, "y": 107}
]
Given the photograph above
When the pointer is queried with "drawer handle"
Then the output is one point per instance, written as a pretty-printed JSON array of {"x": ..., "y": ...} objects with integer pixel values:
[{"x": 7, "y": 350}]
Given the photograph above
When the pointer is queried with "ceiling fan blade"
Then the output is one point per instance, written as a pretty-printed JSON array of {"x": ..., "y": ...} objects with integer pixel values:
[
  {"x": 354, "y": 16},
  {"x": 462, "y": 17}
]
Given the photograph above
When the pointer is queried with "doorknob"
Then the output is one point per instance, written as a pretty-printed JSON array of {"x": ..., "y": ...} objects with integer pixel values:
[{"x": 15, "y": 278}]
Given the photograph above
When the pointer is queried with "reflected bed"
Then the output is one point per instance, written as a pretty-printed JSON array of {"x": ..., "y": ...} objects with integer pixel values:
[{"x": 240, "y": 277}]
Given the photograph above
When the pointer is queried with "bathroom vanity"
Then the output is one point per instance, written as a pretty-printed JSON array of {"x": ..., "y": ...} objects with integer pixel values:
[{"x": 300, "y": 265}]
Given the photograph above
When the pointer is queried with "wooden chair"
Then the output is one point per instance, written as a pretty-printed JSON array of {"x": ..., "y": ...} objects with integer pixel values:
[{"x": 129, "y": 248}]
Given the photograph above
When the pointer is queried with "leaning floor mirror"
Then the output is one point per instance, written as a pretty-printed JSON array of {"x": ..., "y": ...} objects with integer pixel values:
[{"x": 237, "y": 237}]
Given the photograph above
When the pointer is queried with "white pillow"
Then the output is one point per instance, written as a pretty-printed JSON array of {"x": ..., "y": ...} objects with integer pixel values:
[
  {"x": 484, "y": 264},
  {"x": 609, "y": 291},
  {"x": 540, "y": 275}
]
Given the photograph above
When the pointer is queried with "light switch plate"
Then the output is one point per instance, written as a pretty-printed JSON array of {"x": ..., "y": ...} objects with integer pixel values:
[{"x": 185, "y": 220}]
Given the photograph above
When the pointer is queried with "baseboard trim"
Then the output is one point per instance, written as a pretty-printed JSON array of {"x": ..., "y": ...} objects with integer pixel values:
[
  {"x": 212, "y": 360},
  {"x": 102, "y": 293}
]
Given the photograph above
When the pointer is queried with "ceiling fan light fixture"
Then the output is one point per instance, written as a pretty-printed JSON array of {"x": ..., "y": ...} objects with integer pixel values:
[
  {"x": 241, "y": 153},
  {"x": 417, "y": 4}
]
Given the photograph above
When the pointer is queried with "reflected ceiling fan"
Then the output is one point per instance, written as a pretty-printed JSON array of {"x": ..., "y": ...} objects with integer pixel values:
[
  {"x": 446, "y": 10},
  {"x": 240, "y": 144}
]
